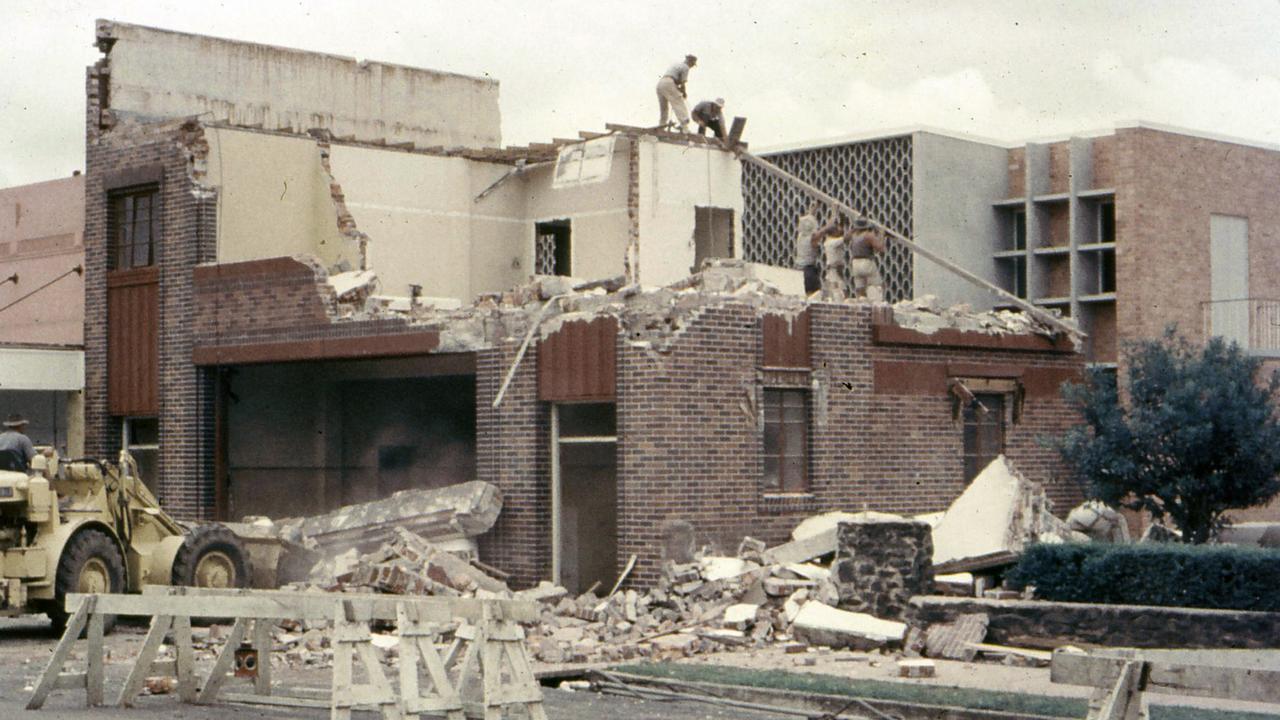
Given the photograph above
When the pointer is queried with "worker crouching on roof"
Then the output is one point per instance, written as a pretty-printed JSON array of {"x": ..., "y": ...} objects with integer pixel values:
[{"x": 710, "y": 114}]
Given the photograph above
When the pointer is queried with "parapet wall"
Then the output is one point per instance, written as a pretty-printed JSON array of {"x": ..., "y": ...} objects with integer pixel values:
[{"x": 156, "y": 73}]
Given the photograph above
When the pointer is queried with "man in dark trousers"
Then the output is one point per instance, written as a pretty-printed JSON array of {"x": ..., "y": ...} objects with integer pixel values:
[
  {"x": 16, "y": 449},
  {"x": 710, "y": 114}
]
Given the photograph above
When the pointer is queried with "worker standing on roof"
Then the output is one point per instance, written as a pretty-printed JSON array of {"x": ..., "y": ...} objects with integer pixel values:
[
  {"x": 710, "y": 114},
  {"x": 832, "y": 238},
  {"x": 866, "y": 243},
  {"x": 806, "y": 259},
  {"x": 671, "y": 92}
]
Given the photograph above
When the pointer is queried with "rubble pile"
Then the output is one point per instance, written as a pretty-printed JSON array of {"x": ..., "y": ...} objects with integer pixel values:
[{"x": 927, "y": 315}]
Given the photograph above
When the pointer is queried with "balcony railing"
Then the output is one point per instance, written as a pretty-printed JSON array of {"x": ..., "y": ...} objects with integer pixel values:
[{"x": 1254, "y": 323}]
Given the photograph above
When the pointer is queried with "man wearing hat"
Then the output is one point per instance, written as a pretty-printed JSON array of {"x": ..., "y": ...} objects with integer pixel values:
[
  {"x": 671, "y": 92},
  {"x": 709, "y": 114},
  {"x": 16, "y": 449},
  {"x": 865, "y": 244}
]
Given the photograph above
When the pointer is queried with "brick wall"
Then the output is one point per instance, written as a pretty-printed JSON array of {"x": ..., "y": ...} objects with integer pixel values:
[
  {"x": 1167, "y": 186},
  {"x": 187, "y": 236},
  {"x": 512, "y": 446}
]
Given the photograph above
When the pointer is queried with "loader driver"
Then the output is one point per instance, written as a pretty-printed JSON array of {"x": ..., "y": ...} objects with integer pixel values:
[{"x": 16, "y": 449}]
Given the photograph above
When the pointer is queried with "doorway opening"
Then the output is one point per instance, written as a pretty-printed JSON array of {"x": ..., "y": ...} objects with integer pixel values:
[{"x": 584, "y": 495}]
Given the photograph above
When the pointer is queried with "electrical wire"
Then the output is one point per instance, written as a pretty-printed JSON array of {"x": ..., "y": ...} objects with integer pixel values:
[{"x": 78, "y": 269}]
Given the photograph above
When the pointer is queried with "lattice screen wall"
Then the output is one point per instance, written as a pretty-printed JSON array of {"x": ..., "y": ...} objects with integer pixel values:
[{"x": 873, "y": 177}]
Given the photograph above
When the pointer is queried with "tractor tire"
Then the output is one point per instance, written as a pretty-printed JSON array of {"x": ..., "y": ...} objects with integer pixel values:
[
  {"x": 91, "y": 563},
  {"x": 211, "y": 556}
]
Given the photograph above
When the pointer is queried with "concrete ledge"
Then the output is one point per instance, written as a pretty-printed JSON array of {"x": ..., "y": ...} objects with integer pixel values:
[{"x": 1013, "y": 622}]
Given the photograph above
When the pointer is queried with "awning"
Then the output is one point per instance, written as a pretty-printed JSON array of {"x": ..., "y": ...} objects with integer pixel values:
[{"x": 24, "y": 368}]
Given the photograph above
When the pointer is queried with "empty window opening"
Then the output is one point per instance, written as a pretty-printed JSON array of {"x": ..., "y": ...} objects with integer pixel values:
[
  {"x": 141, "y": 438},
  {"x": 983, "y": 432},
  {"x": 1107, "y": 222},
  {"x": 552, "y": 251},
  {"x": 131, "y": 216},
  {"x": 712, "y": 234},
  {"x": 1018, "y": 240},
  {"x": 786, "y": 441},
  {"x": 1107, "y": 271},
  {"x": 584, "y": 495}
]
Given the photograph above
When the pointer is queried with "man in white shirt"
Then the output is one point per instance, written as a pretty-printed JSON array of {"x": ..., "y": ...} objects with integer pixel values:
[{"x": 671, "y": 92}]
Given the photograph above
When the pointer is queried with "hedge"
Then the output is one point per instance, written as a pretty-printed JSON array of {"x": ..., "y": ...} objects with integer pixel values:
[{"x": 1172, "y": 575}]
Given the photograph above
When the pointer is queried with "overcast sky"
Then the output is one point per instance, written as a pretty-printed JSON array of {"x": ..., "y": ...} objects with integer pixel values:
[{"x": 799, "y": 70}]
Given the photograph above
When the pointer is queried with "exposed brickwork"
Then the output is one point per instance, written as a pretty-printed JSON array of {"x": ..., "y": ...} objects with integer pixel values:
[
  {"x": 512, "y": 446},
  {"x": 1167, "y": 186},
  {"x": 186, "y": 236}
]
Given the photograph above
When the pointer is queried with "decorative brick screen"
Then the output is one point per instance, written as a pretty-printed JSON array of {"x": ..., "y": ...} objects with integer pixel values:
[{"x": 873, "y": 177}]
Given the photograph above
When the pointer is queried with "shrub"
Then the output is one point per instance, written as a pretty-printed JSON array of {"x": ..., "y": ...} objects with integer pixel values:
[{"x": 1172, "y": 575}]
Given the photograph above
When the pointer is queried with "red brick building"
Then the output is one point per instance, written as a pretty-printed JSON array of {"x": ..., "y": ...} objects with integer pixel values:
[{"x": 301, "y": 316}]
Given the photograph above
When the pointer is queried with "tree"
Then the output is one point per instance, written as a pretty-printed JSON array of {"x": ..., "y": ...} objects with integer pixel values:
[{"x": 1194, "y": 435}]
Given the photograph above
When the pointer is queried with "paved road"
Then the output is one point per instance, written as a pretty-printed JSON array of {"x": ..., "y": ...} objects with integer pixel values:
[{"x": 25, "y": 646}]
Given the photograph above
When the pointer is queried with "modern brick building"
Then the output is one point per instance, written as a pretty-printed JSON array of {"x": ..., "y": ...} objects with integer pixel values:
[
  {"x": 1126, "y": 231},
  {"x": 314, "y": 299}
]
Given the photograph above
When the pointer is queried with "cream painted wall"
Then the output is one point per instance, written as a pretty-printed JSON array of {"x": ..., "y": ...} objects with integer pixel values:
[
  {"x": 162, "y": 73},
  {"x": 674, "y": 179},
  {"x": 597, "y": 214},
  {"x": 273, "y": 197}
]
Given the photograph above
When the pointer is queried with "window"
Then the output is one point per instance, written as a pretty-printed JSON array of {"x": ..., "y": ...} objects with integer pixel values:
[
  {"x": 131, "y": 227},
  {"x": 983, "y": 432},
  {"x": 786, "y": 441},
  {"x": 1020, "y": 277},
  {"x": 1107, "y": 222},
  {"x": 1107, "y": 271},
  {"x": 1019, "y": 229},
  {"x": 712, "y": 234},
  {"x": 551, "y": 255},
  {"x": 141, "y": 437}
]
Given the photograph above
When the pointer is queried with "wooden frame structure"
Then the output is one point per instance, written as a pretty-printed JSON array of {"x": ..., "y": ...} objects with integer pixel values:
[
  {"x": 1121, "y": 676},
  {"x": 485, "y": 671}
]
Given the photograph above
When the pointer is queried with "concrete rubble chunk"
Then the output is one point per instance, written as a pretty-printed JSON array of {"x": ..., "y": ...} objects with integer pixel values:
[
  {"x": 917, "y": 668},
  {"x": 441, "y": 566},
  {"x": 999, "y": 514},
  {"x": 1098, "y": 522},
  {"x": 740, "y": 616},
  {"x": 722, "y": 568},
  {"x": 798, "y": 551},
  {"x": 457, "y": 511},
  {"x": 955, "y": 640},
  {"x": 820, "y": 624},
  {"x": 354, "y": 285}
]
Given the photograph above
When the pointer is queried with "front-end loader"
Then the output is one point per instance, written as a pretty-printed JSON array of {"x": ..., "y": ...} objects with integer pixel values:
[{"x": 93, "y": 527}]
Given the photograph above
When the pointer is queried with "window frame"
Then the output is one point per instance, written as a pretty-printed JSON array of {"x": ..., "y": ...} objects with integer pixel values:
[
  {"x": 122, "y": 244},
  {"x": 972, "y": 456},
  {"x": 128, "y": 444},
  {"x": 784, "y": 482}
]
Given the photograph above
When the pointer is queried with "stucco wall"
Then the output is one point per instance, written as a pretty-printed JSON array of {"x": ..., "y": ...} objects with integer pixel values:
[
  {"x": 955, "y": 181},
  {"x": 42, "y": 237},
  {"x": 597, "y": 214},
  {"x": 674, "y": 179},
  {"x": 161, "y": 73},
  {"x": 273, "y": 196}
]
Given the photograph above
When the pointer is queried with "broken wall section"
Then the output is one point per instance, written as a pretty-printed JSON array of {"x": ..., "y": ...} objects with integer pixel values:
[{"x": 155, "y": 73}]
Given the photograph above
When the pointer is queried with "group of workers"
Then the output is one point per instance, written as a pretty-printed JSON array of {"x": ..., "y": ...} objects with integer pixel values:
[
  {"x": 859, "y": 244},
  {"x": 672, "y": 94}
]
